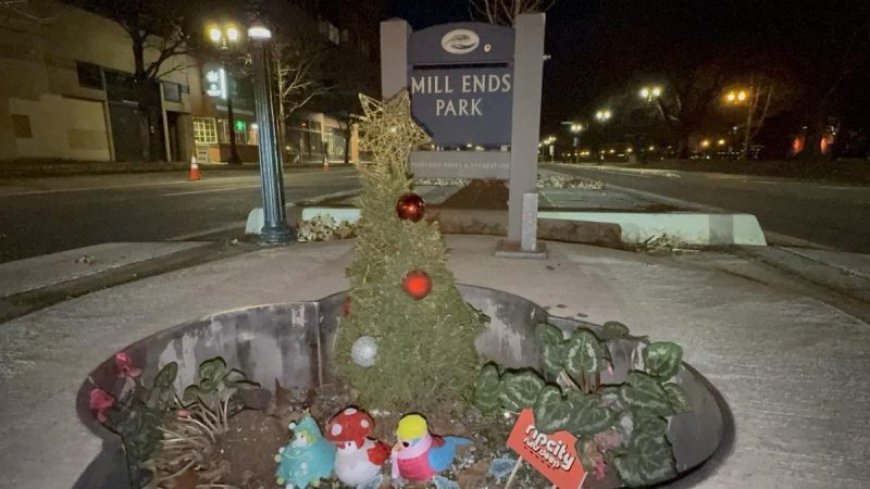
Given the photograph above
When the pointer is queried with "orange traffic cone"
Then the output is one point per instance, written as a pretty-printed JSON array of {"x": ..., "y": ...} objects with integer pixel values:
[{"x": 194, "y": 170}]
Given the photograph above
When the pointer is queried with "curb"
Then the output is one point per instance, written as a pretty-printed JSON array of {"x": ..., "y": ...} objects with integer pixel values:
[{"x": 612, "y": 229}]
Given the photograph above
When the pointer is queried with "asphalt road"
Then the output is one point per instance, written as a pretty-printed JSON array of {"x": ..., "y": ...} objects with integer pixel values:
[
  {"x": 832, "y": 215},
  {"x": 39, "y": 216}
]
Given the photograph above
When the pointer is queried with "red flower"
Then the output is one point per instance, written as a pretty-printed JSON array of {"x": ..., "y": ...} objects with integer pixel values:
[
  {"x": 101, "y": 401},
  {"x": 125, "y": 365},
  {"x": 600, "y": 468}
]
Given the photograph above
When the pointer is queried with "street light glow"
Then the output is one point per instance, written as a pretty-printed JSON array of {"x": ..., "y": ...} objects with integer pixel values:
[
  {"x": 259, "y": 33},
  {"x": 705, "y": 143},
  {"x": 721, "y": 142},
  {"x": 215, "y": 34},
  {"x": 232, "y": 34},
  {"x": 650, "y": 93},
  {"x": 736, "y": 96}
]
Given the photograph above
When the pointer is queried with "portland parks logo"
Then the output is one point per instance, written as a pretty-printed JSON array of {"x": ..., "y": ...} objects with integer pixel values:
[{"x": 460, "y": 41}]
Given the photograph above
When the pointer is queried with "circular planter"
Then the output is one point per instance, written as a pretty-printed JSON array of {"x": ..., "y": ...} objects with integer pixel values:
[{"x": 294, "y": 344}]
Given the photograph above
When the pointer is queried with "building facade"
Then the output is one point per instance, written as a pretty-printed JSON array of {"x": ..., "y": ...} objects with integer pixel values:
[
  {"x": 66, "y": 90},
  {"x": 67, "y": 93}
]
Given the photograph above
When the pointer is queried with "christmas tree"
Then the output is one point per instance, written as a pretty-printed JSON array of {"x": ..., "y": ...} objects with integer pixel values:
[{"x": 407, "y": 339}]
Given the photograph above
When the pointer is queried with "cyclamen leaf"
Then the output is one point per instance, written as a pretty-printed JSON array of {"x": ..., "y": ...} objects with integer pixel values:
[
  {"x": 486, "y": 392},
  {"x": 662, "y": 359},
  {"x": 548, "y": 334},
  {"x": 191, "y": 393},
  {"x": 589, "y": 415},
  {"x": 615, "y": 329},
  {"x": 647, "y": 426},
  {"x": 612, "y": 399},
  {"x": 642, "y": 391},
  {"x": 552, "y": 412},
  {"x": 166, "y": 376},
  {"x": 553, "y": 359},
  {"x": 212, "y": 370},
  {"x": 583, "y": 357},
  {"x": 651, "y": 462},
  {"x": 519, "y": 389},
  {"x": 678, "y": 398}
]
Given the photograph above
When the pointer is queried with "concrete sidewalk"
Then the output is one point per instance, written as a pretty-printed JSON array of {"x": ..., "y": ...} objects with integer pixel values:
[{"x": 793, "y": 369}]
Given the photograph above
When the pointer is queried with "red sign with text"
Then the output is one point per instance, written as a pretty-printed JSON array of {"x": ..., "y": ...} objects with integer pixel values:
[{"x": 552, "y": 455}]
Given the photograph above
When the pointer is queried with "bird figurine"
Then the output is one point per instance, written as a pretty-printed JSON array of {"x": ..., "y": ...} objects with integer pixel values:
[
  {"x": 419, "y": 455},
  {"x": 306, "y": 459},
  {"x": 358, "y": 458}
]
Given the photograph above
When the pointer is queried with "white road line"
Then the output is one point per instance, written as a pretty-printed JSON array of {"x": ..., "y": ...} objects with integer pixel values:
[
  {"x": 86, "y": 189},
  {"x": 193, "y": 192},
  {"x": 199, "y": 234}
]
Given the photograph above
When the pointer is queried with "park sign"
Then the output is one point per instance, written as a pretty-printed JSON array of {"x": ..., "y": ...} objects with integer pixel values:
[
  {"x": 477, "y": 88},
  {"x": 461, "y": 83}
]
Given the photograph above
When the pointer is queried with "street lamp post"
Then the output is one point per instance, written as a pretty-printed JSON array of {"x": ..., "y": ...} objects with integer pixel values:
[
  {"x": 275, "y": 228},
  {"x": 603, "y": 116},
  {"x": 575, "y": 128},
  {"x": 223, "y": 38},
  {"x": 737, "y": 97}
]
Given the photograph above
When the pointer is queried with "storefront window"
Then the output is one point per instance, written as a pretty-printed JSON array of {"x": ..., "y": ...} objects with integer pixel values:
[{"x": 204, "y": 131}]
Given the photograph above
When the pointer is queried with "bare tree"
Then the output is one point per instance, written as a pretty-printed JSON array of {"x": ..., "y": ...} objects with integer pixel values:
[
  {"x": 504, "y": 12},
  {"x": 297, "y": 68},
  {"x": 687, "y": 99},
  {"x": 159, "y": 31}
]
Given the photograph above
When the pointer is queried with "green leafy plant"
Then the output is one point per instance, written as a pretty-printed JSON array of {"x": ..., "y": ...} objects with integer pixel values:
[
  {"x": 161, "y": 433},
  {"x": 215, "y": 386},
  {"x": 620, "y": 425},
  {"x": 519, "y": 389},
  {"x": 137, "y": 414}
]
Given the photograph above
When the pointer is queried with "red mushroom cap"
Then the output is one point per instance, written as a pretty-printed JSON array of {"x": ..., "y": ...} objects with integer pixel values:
[{"x": 350, "y": 425}]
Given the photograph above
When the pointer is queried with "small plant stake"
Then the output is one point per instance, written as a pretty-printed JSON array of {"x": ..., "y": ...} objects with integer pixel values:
[{"x": 553, "y": 455}]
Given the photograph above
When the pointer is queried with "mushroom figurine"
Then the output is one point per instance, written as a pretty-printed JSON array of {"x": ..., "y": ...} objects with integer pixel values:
[{"x": 358, "y": 458}]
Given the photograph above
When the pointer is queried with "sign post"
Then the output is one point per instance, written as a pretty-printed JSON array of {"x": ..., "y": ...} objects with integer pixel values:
[{"x": 476, "y": 88}]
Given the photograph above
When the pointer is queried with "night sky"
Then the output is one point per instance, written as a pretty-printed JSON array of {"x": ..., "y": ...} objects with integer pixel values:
[{"x": 602, "y": 48}]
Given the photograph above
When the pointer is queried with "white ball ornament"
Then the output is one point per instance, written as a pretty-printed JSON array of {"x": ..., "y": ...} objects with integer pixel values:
[{"x": 364, "y": 351}]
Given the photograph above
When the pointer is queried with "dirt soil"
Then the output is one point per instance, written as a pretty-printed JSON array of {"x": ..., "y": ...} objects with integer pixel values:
[
  {"x": 249, "y": 447},
  {"x": 246, "y": 453}
]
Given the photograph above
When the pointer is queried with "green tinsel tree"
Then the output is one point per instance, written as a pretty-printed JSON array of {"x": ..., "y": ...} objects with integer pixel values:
[{"x": 425, "y": 348}]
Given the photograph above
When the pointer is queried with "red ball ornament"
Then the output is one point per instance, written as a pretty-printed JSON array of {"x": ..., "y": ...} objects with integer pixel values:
[
  {"x": 417, "y": 284},
  {"x": 410, "y": 206}
]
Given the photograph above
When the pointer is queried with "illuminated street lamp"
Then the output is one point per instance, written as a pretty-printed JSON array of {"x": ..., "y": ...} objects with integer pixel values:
[
  {"x": 603, "y": 115},
  {"x": 650, "y": 93},
  {"x": 275, "y": 229},
  {"x": 736, "y": 97},
  {"x": 224, "y": 37}
]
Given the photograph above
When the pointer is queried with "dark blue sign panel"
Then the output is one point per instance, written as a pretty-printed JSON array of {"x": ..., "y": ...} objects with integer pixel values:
[
  {"x": 464, "y": 106},
  {"x": 461, "y": 83},
  {"x": 461, "y": 42}
]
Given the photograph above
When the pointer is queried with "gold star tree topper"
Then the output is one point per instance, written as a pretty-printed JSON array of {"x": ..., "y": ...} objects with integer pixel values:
[{"x": 390, "y": 132}]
